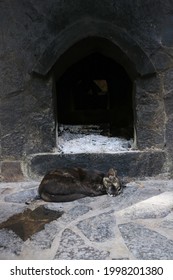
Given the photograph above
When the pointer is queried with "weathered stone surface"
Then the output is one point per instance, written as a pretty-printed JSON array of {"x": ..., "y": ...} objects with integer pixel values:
[
  {"x": 12, "y": 115},
  {"x": 27, "y": 122},
  {"x": 10, "y": 244},
  {"x": 167, "y": 222},
  {"x": 136, "y": 239},
  {"x": 141, "y": 163},
  {"x": 169, "y": 132},
  {"x": 150, "y": 113},
  {"x": 99, "y": 228},
  {"x": 150, "y": 85},
  {"x": 144, "y": 28},
  {"x": 63, "y": 239},
  {"x": 158, "y": 206},
  {"x": 8, "y": 210},
  {"x": 133, "y": 193},
  {"x": 23, "y": 196},
  {"x": 43, "y": 239},
  {"x": 168, "y": 81},
  {"x": 34, "y": 35},
  {"x": 169, "y": 104},
  {"x": 73, "y": 247},
  {"x": 40, "y": 122},
  {"x": 75, "y": 212},
  {"x": 11, "y": 171},
  {"x": 168, "y": 101}
]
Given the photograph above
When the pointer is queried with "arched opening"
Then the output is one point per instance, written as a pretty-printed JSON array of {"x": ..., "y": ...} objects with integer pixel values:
[{"x": 96, "y": 91}]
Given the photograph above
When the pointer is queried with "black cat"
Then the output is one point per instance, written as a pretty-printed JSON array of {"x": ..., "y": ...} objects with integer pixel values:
[{"x": 68, "y": 184}]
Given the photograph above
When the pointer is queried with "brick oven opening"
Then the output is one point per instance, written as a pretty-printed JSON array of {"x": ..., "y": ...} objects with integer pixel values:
[{"x": 94, "y": 106}]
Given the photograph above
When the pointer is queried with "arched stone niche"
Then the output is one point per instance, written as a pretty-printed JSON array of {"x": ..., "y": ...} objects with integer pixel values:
[{"x": 87, "y": 37}]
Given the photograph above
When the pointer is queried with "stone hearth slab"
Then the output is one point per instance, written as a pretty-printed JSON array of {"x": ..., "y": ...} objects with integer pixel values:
[{"x": 133, "y": 164}]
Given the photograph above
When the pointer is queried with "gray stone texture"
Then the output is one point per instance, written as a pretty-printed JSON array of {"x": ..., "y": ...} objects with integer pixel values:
[
  {"x": 22, "y": 196},
  {"x": 99, "y": 228},
  {"x": 137, "y": 224},
  {"x": 150, "y": 114},
  {"x": 11, "y": 171},
  {"x": 136, "y": 239},
  {"x": 27, "y": 121},
  {"x": 158, "y": 206},
  {"x": 35, "y": 34},
  {"x": 7, "y": 210},
  {"x": 75, "y": 212},
  {"x": 168, "y": 222},
  {"x": 72, "y": 247},
  {"x": 141, "y": 163},
  {"x": 10, "y": 243},
  {"x": 43, "y": 239}
]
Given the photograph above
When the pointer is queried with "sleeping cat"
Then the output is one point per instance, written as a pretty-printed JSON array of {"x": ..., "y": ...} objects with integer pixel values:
[{"x": 68, "y": 184}]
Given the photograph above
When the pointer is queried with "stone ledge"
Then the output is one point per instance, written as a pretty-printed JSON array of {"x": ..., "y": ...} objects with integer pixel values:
[{"x": 133, "y": 164}]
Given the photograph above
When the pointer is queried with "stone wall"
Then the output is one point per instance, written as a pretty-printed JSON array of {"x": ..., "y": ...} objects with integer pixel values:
[{"x": 33, "y": 37}]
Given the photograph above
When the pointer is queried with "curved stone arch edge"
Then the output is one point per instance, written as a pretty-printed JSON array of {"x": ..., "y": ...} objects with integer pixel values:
[{"x": 86, "y": 28}]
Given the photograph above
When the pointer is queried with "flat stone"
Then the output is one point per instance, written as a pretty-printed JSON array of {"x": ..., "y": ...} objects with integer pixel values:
[
  {"x": 142, "y": 164},
  {"x": 43, "y": 239},
  {"x": 10, "y": 243},
  {"x": 10, "y": 190},
  {"x": 17, "y": 186},
  {"x": 7, "y": 210},
  {"x": 5, "y": 191},
  {"x": 75, "y": 212},
  {"x": 146, "y": 244},
  {"x": 73, "y": 247},
  {"x": 99, "y": 228},
  {"x": 30, "y": 185},
  {"x": 22, "y": 196},
  {"x": 158, "y": 206},
  {"x": 133, "y": 193},
  {"x": 55, "y": 206},
  {"x": 167, "y": 222}
]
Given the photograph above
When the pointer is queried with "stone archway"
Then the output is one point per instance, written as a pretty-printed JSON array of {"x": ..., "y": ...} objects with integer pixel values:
[
  {"x": 148, "y": 111},
  {"x": 119, "y": 46},
  {"x": 134, "y": 58}
]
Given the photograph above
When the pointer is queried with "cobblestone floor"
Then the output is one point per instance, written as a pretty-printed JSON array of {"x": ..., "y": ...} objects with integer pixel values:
[{"x": 137, "y": 224}]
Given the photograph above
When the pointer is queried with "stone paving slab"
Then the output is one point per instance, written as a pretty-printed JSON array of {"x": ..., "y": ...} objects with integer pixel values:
[{"x": 137, "y": 224}]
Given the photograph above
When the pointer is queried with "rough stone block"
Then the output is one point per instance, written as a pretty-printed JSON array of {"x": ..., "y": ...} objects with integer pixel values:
[
  {"x": 150, "y": 113},
  {"x": 11, "y": 171},
  {"x": 150, "y": 85},
  {"x": 168, "y": 80},
  {"x": 169, "y": 134},
  {"x": 131, "y": 164},
  {"x": 169, "y": 104}
]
